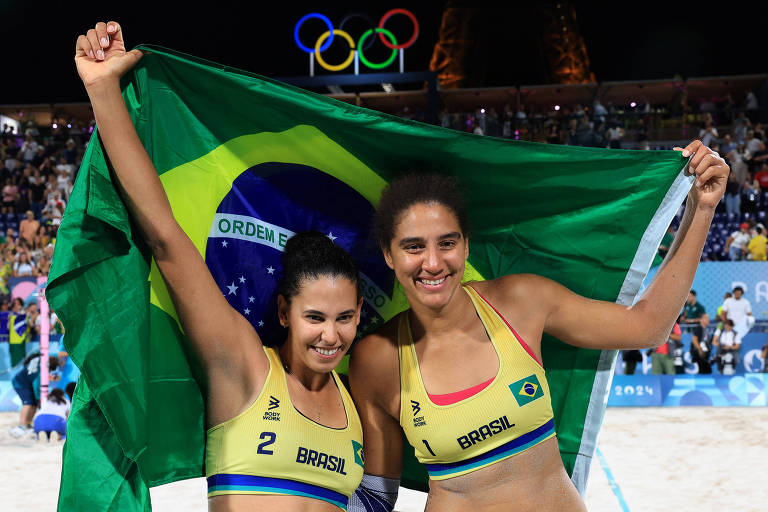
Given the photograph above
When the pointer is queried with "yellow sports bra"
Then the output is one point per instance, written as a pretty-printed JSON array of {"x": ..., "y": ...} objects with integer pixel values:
[
  {"x": 513, "y": 413},
  {"x": 271, "y": 448}
]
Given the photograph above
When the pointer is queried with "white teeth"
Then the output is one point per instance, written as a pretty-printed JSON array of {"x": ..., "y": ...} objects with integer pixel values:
[
  {"x": 326, "y": 352},
  {"x": 433, "y": 283}
]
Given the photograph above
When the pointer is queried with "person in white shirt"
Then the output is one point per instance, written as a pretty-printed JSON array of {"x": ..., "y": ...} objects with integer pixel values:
[
  {"x": 53, "y": 415},
  {"x": 739, "y": 311}
]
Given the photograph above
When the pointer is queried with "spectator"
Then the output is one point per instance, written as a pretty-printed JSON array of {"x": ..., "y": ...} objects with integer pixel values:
[
  {"x": 764, "y": 355},
  {"x": 728, "y": 345},
  {"x": 751, "y": 102},
  {"x": 28, "y": 227},
  {"x": 761, "y": 177},
  {"x": 666, "y": 243},
  {"x": 662, "y": 362},
  {"x": 614, "y": 135},
  {"x": 738, "y": 310},
  {"x": 708, "y": 134},
  {"x": 757, "y": 246},
  {"x": 736, "y": 245},
  {"x": 28, "y": 150},
  {"x": 631, "y": 358},
  {"x": 728, "y": 145},
  {"x": 701, "y": 346},
  {"x": 733, "y": 196},
  {"x": 740, "y": 126},
  {"x": 27, "y": 386},
  {"x": 23, "y": 267},
  {"x": 10, "y": 195},
  {"x": 693, "y": 311},
  {"x": 53, "y": 415}
]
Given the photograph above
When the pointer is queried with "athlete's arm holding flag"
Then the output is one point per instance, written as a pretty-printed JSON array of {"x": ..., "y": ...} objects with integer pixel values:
[
  {"x": 599, "y": 324},
  {"x": 225, "y": 342}
]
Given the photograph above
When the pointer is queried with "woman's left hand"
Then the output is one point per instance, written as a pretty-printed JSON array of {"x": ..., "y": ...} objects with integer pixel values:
[{"x": 711, "y": 174}]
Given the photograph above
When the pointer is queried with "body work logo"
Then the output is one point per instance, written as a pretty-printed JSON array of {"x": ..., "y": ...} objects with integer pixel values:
[
  {"x": 268, "y": 204},
  {"x": 526, "y": 390},
  {"x": 274, "y": 403}
]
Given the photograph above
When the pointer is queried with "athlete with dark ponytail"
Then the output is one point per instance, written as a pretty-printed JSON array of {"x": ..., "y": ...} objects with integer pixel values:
[{"x": 284, "y": 433}]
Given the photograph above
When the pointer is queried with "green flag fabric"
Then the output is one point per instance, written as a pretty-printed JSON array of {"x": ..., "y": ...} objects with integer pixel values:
[{"x": 246, "y": 162}]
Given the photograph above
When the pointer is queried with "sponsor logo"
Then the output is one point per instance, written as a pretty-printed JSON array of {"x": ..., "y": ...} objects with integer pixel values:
[
  {"x": 321, "y": 460},
  {"x": 416, "y": 407},
  {"x": 269, "y": 414},
  {"x": 274, "y": 403},
  {"x": 484, "y": 432},
  {"x": 526, "y": 390},
  {"x": 358, "y": 449}
]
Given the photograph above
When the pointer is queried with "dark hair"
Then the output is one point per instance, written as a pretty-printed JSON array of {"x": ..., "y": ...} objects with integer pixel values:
[
  {"x": 71, "y": 389},
  {"x": 693, "y": 292},
  {"x": 729, "y": 322},
  {"x": 738, "y": 288},
  {"x": 56, "y": 396},
  {"x": 309, "y": 255},
  {"x": 405, "y": 191}
]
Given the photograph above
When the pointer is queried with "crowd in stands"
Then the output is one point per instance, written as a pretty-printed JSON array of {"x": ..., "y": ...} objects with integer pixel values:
[{"x": 37, "y": 174}]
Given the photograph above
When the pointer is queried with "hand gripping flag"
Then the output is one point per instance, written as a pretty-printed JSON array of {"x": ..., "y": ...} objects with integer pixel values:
[{"x": 246, "y": 162}]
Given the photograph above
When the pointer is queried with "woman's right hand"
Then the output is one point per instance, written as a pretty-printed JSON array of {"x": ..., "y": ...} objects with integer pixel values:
[{"x": 100, "y": 54}]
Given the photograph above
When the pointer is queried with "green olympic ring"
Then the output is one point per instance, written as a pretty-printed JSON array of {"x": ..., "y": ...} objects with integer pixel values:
[{"x": 360, "y": 48}]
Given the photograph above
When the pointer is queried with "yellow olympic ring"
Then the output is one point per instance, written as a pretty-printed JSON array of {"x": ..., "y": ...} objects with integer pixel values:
[{"x": 344, "y": 64}]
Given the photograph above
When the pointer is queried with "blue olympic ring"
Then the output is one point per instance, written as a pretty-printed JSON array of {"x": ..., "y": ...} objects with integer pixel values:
[{"x": 305, "y": 18}]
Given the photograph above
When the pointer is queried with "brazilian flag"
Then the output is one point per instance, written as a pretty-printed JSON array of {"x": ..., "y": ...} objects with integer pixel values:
[{"x": 246, "y": 162}]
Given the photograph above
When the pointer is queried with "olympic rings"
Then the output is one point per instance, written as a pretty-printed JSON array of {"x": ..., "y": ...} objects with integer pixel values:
[
  {"x": 387, "y": 62},
  {"x": 386, "y": 37},
  {"x": 344, "y": 64},
  {"x": 363, "y": 17},
  {"x": 305, "y": 18},
  {"x": 408, "y": 43}
]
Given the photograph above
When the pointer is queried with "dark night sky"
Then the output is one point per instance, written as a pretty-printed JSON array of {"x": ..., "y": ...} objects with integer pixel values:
[{"x": 624, "y": 43}]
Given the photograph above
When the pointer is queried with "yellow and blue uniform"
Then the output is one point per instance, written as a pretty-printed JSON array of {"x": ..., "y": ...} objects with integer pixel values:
[
  {"x": 513, "y": 413},
  {"x": 271, "y": 448}
]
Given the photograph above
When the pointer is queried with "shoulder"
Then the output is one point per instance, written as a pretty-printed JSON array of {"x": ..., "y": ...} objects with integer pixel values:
[
  {"x": 374, "y": 365},
  {"x": 513, "y": 289}
]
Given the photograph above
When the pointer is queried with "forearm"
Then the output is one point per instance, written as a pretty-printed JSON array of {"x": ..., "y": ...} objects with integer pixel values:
[
  {"x": 662, "y": 301},
  {"x": 136, "y": 175}
]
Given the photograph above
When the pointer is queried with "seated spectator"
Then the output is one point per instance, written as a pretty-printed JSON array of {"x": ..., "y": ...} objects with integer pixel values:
[
  {"x": 728, "y": 145},
  {"x": 53, "y": 415},
  {"x": 761, "y": 177},
  {"x": 24, "y": 266},
  {"x": 28, "y": 227}
]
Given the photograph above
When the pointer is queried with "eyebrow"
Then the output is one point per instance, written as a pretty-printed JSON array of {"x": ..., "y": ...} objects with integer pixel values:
[
  {"x": 320, "y": 313},
  {"x": 415, "y": 239}
]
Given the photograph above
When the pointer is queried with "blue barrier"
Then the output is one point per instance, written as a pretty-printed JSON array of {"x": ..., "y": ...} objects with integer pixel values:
[
  {"x": 714, "y": 278},
  {"x": 749, "y": 390}
]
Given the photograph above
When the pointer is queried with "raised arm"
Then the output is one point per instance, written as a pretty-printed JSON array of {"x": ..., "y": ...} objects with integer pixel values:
[
  {"x": 605, "y": 325},
  {"x": 225, "y": 342}
]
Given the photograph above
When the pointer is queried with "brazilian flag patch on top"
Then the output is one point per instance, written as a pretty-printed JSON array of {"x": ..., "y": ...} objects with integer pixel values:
[
  {"x": 526, "y": 390},
  {"x": 358, "y": 449}
]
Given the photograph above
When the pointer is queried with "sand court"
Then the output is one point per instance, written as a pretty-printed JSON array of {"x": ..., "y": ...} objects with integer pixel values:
[{"x": 684, "y": 458}]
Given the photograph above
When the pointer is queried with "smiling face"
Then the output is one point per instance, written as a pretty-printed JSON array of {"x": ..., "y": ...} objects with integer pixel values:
[
  {"x": 428, "y": 254},
  {"x": 322, "y": 321}
]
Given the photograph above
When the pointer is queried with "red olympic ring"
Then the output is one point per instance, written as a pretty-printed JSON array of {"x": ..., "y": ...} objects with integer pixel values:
[{"x": 415, "y": 29}]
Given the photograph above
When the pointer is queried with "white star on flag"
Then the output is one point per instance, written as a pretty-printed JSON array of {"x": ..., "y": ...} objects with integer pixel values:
[
  {"x": 247, "y": 311},
  {"x": 270, "y": 270},
  {"x": 242, "y": 279},
  {"x": 232, "y": 288},
  {"x": 251, "y": 299},
  {"x": 330, "y": 235},
  {"x": 261, "y": 323},
  {"x": 374, "y": 321},
  {"x": 223, "y": 243}
]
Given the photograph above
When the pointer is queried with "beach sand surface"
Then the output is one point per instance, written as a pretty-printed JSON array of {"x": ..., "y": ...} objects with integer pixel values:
[{"x": 686, "y": 458}]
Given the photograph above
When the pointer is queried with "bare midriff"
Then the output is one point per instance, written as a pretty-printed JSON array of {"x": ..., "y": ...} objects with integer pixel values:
[
  {"x": 534, "y": 480},
  {"x": 267, "y": 503}
]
